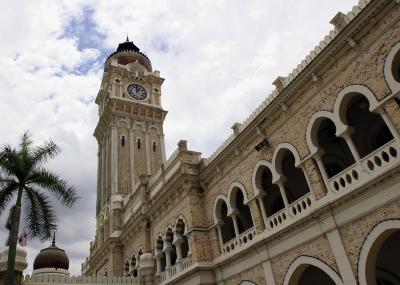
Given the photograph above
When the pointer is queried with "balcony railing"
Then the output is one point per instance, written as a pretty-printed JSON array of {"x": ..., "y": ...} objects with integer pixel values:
[
  {"x": 176, "y": 269},
  {"x": 369, "y": 167},
  {"x": 239, "y": 241}
]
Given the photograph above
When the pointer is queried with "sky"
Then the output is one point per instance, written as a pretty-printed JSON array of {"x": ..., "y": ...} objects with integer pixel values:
[{"x": 219, "y": 59}]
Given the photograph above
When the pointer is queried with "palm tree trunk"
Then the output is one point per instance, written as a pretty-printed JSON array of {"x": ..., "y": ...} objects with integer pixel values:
[{"x": 13, "y": 238}]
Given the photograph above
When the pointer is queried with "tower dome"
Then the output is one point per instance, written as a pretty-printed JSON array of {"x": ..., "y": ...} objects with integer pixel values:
[
  {"x": 51, "y": 260},
  {"x": 127, "y": 52}
]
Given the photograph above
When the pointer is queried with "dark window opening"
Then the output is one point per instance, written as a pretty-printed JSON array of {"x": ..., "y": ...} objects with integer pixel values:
[
  {"x": 336, "y": 153},
  {"x": 139, "y": 142},
  {"x": 244, "y": 217},
  {"x": 227, "y": 229},
  {"x": 154, "y": 146},
  {"x": 123, "y": 141},
  {"x": 370, "y": 130},
  {"x": 273, "y": 201},
  {"x": 296, "y": 184}
]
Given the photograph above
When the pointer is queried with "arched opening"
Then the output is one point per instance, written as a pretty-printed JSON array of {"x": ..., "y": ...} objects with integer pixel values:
[
  {"x": 170, "y": 238},
  {"x": 126, "y": 268},
  {"x": 383, "y": 261},
  {"x": 272, "y": 199},
  {"x": 159, "y": 249},
  {"x": 180, "y": 231},
  {"x": 295, "y": 183},
  {"x": 244, "y": 219},
  {"x": 227, "y": 227},
  {"x": 369, "y": 129},
  {"x": 313, "y": 275},
  {"x": 396, "y": 66},
  {"x": 133, "y": 268},
  {"x": 336, "y": 153}
]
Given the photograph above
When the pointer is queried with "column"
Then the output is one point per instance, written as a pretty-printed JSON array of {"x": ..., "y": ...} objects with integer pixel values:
[
  {"x": 162, "y": 147},
  {"x": 283, "y": 191},
  {"x": 389, "y": 123},
  {"x": 322, "y": 169},
  {"x": 114, "y": 160},
  {"x": 219, "y": 230},
  {"x": 303, "y": 168},
  {"x": 148, "y": 157},
  {"x": 189, "y": 243},
  {"x": 262, "y": 207},
  {"x": 167, "y": 250},
  {"x": 346, "y": 135},
  {"x": 235, "y": 222},
  {"x": 158, "y": 257},
  {"x": 178, "y": 240},
  {"x": 132, "y": 157}
]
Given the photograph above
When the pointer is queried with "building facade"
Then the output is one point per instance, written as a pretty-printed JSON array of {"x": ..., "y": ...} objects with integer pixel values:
[{"x": 305, "y": 191}]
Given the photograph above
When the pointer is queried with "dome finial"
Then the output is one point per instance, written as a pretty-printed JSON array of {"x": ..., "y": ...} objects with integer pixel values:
[
  {"x": 54, "y": 239},
  {"x": 127, "y": 37}
]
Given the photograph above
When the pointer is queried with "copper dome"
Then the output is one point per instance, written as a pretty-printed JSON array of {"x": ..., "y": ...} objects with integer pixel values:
[{"x": 51, "y": 257}]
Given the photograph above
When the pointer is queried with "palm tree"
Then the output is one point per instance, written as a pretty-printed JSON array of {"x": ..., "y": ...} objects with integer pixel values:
[{"x": 22, "y": 173}]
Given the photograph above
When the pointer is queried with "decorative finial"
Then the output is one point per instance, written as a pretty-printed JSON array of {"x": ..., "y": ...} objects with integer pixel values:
[
  {"x": 54, "y": 239},
  {"x": 127, "y": 37}
]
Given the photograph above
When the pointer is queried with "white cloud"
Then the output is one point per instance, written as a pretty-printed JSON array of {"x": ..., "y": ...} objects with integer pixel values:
[{"x": 219, "y": 59}]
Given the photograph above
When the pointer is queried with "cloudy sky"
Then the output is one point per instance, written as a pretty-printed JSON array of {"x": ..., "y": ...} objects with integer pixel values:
[{"x": 219, "y": 58}]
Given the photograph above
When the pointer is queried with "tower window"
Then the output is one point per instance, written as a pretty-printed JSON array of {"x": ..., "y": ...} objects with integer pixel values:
[
  {"x": 139, "y": 142},
  {"x": 123, "y": 141},
  {"x": 154, "y": 146}
]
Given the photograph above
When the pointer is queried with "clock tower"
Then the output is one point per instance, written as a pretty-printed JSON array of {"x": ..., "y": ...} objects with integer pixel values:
[{"x": 129, "y": 131}]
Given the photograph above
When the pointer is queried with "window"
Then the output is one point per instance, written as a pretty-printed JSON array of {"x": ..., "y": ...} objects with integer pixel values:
[
  {"x": 154, "y": 146},
  {"x": 123, "y": 141},
  {"x": 139, "y": 142}
]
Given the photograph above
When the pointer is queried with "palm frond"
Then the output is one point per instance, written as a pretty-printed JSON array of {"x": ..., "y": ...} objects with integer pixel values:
[
  {"x": 39, "y": 214},
  {"x": 9, "y": 161},
  {"x": 45, "y": 151},
  {"x": 65, "y": 193},
  {"x": 8, "y": 188}
]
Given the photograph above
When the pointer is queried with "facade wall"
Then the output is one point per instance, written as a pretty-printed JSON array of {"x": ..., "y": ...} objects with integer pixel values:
[{"x": 313, "y": 226}]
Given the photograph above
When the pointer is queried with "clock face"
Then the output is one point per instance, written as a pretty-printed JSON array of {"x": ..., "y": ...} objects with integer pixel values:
[{"x": 137, "y": 91}]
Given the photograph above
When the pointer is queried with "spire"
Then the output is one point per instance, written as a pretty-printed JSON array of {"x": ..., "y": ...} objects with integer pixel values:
[
  {"x": 127, "y": 37},
  {"x": 54, "y": 239}
]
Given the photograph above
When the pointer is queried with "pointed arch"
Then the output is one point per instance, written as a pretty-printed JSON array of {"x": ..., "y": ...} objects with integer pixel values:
[
  {"x": 277, "y": 156},
  {"x": 255, "y": 177},
  {"x": 346, "y": 94},
  {"x": 314, "y": 124},
  {"x": 392, "y": 68},
  {"x": 298, "y": 265},
  {"x": 371, "y": 248}
]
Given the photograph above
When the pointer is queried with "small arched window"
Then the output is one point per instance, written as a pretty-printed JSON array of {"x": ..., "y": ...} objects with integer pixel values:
[
  {"x": 154, "y": 146},
  {"x": 139, "y": 143},
  {"x": 123, "y": 141}
]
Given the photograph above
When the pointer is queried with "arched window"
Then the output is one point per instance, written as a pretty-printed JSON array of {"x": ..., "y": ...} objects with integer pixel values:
[
  {"x": 126, "y": 268},
  {"x": 180, "y": 232},
  {"x": 227, "y": 227},
  {"x": 272, "y": 199},
  {"x": 295, "y": 182},
  {"x": 336, "y": 154},
  {"x": 123, "y": 141},
  {"x": 133, "y": 266},
  {"x": 369, "y": 129},
  {"x": 243, "y": 216},
  {"x": 159, "y": 249},
  {"x": 139, "y": 143},
  {"x": 170, "y": 238},
  {"x": 154, "y": 146}
]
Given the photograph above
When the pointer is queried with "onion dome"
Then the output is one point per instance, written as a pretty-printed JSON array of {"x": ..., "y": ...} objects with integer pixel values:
[
  {"x": 51, "y": 257},
  {"x": 127, "y": 52}
]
